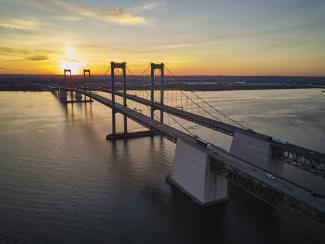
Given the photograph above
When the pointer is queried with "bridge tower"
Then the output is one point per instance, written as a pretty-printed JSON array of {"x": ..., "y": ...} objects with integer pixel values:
[
  {"x": 125, "y": 135},
  {"x": 67, "y": 77},
  {"x": 68, "y": 82},
  {"x": 62, "y": 92},
  {"x": 121, "y": 66},
  {"x": 159, "y": 67},
  {"x": 86, "y": 75},
  {"x": 68, "y": 89},
  {"x": 87, "y": 78}
]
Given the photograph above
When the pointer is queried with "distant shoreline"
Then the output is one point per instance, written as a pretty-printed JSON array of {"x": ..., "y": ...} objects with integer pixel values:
[
  {"x": 31, "y": 88},
  {"x": 195, "y": 83}
]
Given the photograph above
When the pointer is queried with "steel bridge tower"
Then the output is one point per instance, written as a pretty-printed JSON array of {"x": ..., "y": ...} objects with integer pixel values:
[
  {"x": 69, "y": 77},
  {"x": 86, "y": 75},
  {"x": 159, "y": 67},
  {"x": 66, "y": 90},
  {"x": 124, "y": 135},
  {"x": 62, "y": 92},
  {"x": 121, "y": 66}
]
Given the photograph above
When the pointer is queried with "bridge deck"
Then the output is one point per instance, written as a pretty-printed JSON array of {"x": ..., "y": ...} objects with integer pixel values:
[
  {"x": 286, "y": 189},
  {"x": 303, "y": 158}
]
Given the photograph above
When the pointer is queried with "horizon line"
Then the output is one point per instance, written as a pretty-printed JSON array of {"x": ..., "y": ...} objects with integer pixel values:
[{"x": 179, "y": 75}]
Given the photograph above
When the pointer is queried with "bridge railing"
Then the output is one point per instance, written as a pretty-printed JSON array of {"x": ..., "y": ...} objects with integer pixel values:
[
  {"x": 269, "y": 195},
  {"x": 194, "y": 102},
  {"x": 278, "y": 193}
]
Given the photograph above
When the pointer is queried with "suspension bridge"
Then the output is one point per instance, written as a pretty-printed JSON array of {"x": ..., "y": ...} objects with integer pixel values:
[{"x": 202, "y": 170}]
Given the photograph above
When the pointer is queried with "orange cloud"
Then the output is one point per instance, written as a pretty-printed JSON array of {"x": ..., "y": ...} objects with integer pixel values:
[{"x": 37, "y": 58}]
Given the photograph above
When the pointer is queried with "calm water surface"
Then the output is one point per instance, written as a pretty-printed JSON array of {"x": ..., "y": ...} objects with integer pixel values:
[{"x": 62, "y": 182}]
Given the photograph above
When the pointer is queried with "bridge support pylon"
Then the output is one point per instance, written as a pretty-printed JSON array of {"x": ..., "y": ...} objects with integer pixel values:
[
  {"x": 67, "y": 79},
  {"x": 62, "y": 91},
  {"x": 66, "y": 94},
  {"x": 62, "y": 94},
  {"x": 192, "y": 174},
  {"x": 159, "y": 67},
  {"x": 77, "y": 96},
  {"x": 87, "y": 77},
  {"x": 68, "y": 83},
  {"x": 125, "y": 135},
  {"x": 257, "y": 151},
  {"x": 121, "y": 66}
]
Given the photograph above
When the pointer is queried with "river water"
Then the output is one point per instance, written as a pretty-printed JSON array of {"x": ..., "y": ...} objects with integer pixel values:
[{"x": 62, "y": 182}]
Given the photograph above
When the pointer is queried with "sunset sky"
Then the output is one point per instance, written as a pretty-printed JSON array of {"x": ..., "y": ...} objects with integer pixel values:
[{"x": 207, "y": 37}]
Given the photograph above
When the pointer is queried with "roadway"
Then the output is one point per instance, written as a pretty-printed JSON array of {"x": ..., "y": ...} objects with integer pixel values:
[
  {"x": 310, "y": 200},
  {"x": 303, "y": 158}
]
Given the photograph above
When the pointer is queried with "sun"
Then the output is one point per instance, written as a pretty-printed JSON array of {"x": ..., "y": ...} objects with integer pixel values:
[
  {"x": 71, "y": 61},
  {"x": 73, "y": 65}
]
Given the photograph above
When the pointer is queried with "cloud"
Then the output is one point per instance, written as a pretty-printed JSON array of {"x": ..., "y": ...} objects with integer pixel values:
[
  {"x": 2, "y": 67},
  {"x": 37, "y": 58},
  {"x": 174, "y": 45},
  {"x": 26, "y": 51},
  {"x": 12, "y": 51},
  {"x": 16, "y": 23},
  {"x": 149, "y": 6},
  {"x": 115, "y": 15},
  {"x": 143, "y": 48},
  {"x": 25, "y": 54},
  {"x": 66, "y": 18},
  {"x": 5, "y": 50}
]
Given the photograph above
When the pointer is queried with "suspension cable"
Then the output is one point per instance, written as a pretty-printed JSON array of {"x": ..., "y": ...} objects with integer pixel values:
[
  {"x": 196, "y": 103},
  {"x": 173, "y": 119},
  {"x": 217, "y": 110},
  {"x": 236, "y": 122},
  {"x": 108, "y": 69},
  {"x": 145, "y": 70}
]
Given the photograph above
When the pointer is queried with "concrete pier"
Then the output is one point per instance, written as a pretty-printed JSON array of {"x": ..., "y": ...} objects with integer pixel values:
[
  {"x": 129, "y": 135},
  {"x": 80, "y": 101},
  {"x": 78, "y": 96},
  {"x": 256, "y": 151},
  {"x": 192, "y": 175},
  {"x": 62, "y": 94},
  {"x": 75, "y": 97}
]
